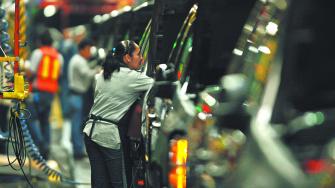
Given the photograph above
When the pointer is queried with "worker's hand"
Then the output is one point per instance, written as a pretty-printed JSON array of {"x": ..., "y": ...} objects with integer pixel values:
[{"x": 98, "y": 69}]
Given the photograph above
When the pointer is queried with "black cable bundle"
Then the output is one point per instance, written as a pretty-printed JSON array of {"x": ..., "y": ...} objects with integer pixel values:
[
  {"x": 16, "y": 140},
  {"x": 22, "y": 143}
]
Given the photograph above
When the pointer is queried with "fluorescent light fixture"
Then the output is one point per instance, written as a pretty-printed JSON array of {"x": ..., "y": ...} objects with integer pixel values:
[
  {"x": 126, "y": 8},
  {"x": 49, "y": 10},
  {"x": 114, "y": 13},
  {"x": 97, "y": 19},
  {"x": 105, "y": 17}
]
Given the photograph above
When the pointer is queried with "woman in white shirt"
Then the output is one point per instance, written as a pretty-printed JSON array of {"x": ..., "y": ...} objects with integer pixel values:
[{"x": 116, "y": 89}]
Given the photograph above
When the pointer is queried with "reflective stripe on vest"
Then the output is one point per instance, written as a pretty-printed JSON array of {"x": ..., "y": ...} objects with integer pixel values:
[{"x": 48, "y": 70}]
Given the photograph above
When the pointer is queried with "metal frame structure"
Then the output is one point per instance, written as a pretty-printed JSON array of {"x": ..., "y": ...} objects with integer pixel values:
[{"x": 19, "y": 91}]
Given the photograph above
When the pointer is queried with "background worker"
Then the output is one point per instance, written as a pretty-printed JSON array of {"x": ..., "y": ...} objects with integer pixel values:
[
  {"x": 68, "y": 48},
  {"x": 80, "y": 77},
  {"x": 45, "y": 69}
]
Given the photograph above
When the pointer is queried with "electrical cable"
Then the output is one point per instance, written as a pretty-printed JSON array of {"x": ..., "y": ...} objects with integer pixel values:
[
  {"x": 23, "y": 145},
  {"x": 18, "y": 146}
]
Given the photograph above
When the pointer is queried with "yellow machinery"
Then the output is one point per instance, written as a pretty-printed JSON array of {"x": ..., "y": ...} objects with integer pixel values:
[{"x": 19, "y": 92}]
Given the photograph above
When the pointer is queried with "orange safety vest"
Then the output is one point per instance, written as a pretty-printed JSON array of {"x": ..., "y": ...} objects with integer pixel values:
[{"x": 48, "y": 70}]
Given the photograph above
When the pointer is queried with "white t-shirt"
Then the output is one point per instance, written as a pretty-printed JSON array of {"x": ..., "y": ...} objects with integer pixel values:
[
  {"x": 80, "y": 75},
  {"x": 112, "y": 99}
]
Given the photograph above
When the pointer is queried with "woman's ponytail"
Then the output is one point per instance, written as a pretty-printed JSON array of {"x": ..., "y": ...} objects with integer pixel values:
[
  {"x": 114, "y": 58},
  {"x": 110, "y": 65}
]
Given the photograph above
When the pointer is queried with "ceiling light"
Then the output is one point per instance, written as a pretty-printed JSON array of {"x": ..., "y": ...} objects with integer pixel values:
[{"x": 49, "y": 11}]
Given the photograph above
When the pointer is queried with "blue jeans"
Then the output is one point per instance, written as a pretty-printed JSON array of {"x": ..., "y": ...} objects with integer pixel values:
[
  {"x": 39, "y": 125},
  {"x": 64, "y": 98},
  {"x": 76, "y": 110},
  {"x": 107, "y": 170}
]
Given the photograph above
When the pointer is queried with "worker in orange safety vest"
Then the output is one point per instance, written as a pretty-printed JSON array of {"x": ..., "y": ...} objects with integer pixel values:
[{"x": 45, "y": 70}]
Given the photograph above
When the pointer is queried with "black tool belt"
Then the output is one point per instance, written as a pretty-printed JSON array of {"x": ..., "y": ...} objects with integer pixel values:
[{"x": 98, "y": 118}]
